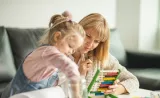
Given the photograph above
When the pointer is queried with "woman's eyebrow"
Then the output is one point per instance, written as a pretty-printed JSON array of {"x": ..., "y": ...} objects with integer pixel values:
[{"x": 97, "y": 40}]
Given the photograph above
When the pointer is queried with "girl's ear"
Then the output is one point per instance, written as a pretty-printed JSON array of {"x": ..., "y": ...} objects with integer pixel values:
[{"x": 57, "y": 36}]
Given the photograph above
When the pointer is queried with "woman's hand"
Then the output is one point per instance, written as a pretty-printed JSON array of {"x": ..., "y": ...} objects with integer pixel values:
[
  {"x": 85, "y": 66},
  {"x": 77, "y": 96},
  {"x": 116, "y": 88}
]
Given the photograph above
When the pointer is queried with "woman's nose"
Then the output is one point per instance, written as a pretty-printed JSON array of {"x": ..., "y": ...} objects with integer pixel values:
[{"x": 90, "y": 43}]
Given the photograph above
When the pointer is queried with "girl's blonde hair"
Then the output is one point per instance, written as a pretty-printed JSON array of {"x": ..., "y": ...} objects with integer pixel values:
[
  {"x": 98, "y": 23},
  {"x": 59, "y": 23}
]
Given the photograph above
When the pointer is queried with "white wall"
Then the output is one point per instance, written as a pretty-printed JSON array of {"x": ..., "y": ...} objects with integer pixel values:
[
  {"x": 158, "y": 37},
  {"x": 148, "y": 25},
  {"x": 127, "y": 22},
  {"x": 37, "y": 13},
  {"x": 137, "y": 22}
]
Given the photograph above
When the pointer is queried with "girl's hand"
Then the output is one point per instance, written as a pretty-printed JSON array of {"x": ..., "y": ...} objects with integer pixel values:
[
  {"x": 116, "y": 88},
  {"x": 85, "y": 66}
]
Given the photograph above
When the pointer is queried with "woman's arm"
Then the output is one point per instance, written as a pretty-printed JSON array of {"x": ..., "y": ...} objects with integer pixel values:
[{"x": 127, "y": 81}]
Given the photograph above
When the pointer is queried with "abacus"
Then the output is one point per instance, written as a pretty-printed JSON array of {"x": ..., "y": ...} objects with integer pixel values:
[{"x": 100, "y": 82}]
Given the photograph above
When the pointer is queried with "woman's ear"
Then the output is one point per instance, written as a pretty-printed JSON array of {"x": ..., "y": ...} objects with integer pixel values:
[{"x": 57, "y": 36}]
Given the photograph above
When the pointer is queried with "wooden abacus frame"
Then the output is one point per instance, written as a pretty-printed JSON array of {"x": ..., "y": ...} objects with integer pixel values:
[{"x": 95, "y": 78}]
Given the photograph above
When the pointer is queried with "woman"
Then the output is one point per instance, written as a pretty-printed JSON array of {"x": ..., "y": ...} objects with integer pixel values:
[{"x": 96, "y": 48}]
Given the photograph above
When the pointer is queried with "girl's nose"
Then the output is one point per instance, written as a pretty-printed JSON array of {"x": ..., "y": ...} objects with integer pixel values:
[{"x": 73, "y": 51}]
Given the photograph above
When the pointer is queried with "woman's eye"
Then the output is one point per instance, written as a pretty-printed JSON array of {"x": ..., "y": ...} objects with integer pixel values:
[
  {"x": 70, "y": 46},
  {"x": 97, "y": 41},
  {"x": 87, "y": 35}
]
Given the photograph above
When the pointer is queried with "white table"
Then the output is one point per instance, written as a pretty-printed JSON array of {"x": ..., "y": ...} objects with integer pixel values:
[
  {"x": 53, "y": 92},
  {"x": 57, "y": 92},
  {"x": 140, "y": 93}
]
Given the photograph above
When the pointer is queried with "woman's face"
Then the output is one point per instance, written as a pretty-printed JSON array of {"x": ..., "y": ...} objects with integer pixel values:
[{"x": 91, "y": 41}]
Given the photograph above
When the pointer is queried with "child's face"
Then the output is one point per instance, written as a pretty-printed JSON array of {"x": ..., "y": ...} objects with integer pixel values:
[{"x": 69, "y": 43}]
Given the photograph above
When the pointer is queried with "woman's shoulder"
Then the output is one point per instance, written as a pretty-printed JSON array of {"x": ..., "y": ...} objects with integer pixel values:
[
  {"x": 112, "y": 62},
  {"x": 111, "y": 58}
]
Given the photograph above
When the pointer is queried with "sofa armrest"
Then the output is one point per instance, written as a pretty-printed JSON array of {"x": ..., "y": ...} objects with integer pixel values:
[{"x": 143, "y": 60}]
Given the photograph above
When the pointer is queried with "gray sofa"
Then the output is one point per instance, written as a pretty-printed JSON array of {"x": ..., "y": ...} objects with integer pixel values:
[{"x": 15, "y": 43}]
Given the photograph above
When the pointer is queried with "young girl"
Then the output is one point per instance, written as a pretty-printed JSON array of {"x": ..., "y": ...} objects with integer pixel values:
[{"x": 40, "y": 68}]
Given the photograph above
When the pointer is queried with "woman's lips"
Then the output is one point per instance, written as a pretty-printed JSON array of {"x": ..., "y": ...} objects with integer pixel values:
[{"x": 86, "y": 48}]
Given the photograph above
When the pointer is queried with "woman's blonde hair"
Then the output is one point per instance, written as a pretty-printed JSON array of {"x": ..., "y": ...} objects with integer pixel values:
[
  {"x": 98, "y": 23},
  {"x": 59, "y": 23}
]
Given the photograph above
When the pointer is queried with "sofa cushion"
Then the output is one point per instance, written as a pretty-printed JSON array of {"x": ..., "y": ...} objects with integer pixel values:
[
  {"x": 149, "y": 78},
  {"x": 23, "y": 41},
  {"x": 139, "y": 59},
  {"x": 116, "y": 47},
  {"x": 7, "y": 69},
  {"x": 2, "y": 87}
]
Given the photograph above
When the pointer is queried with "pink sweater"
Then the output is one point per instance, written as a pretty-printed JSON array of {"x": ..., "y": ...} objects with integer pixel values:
[{"x": 45, "y": 60}]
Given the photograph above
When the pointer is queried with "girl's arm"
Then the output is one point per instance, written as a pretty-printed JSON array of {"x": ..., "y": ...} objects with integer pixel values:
[
  {"x": 57, "y": 59},
  {"x": 53, "y": 57}
]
